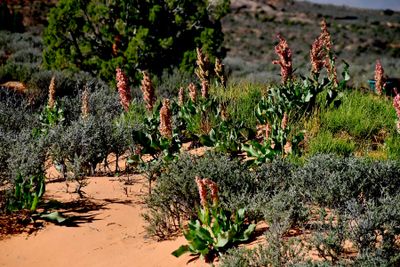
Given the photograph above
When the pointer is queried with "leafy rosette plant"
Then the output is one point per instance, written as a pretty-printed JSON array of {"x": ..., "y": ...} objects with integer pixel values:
[{"x": 216, "y": 228}]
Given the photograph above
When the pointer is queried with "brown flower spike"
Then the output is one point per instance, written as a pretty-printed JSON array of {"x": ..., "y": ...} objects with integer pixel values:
[
  {"x": 219, "y": 70},
  {"x": 192, "y": 92},
  {"x": 123, "y": 89},
  {"x": 202, "y": 185},
  {"x": 148, "y": 91},
  {"x": 202, "y": 72},
  {"x": 181, "y": 96},
  {"x": 165, "y": 120},
  {"x": 379, "y": 77},
  {"x": 285, "y": 59},
  {"x": 85, "y": 103},
  {"x": 317, "y": 56},
  {"x": 52, "y": 93}
]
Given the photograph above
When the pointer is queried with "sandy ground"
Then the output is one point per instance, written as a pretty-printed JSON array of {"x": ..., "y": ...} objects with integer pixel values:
[{"x": 109, "y": 232}]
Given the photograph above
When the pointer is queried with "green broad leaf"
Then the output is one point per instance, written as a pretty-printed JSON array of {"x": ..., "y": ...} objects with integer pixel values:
[
  {"x": 198, "y": 245},
  {"x": 205, "y": 235},
  {"x": 249, "y": 231},
  {"x": 308, "y": 97},
  {"x": 181, "y": 250},
  {"x": 222, "y": 240}
]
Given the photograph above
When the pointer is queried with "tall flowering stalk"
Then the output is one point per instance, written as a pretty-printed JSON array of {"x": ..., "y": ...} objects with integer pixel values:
[
  {"x": 85, "y": 103},
  {"x": 285, "y": 59},
  {"x": 379, "y": 77},
  {"x": 219, "y": 70},
  {"x": 202, "y": 72},
  {"x": 284, "y": 121},
  {"x": 396, "y": 105},
  {"x": 202, "y": 185},
  {"x": 317, "y": 56},
  {"x": 192, "y": 92},
  {"x": 123, "y": 89},
  {"x": 165, "y": 119},
  {"x": 181, "y": 96},
  {"x": 52, "y": 93},
  {"x": 148, "y": 91},
  {"x": 330, "y": 65}
]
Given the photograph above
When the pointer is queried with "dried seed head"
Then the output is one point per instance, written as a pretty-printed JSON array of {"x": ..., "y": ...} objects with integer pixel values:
[
  {"x": 52, "y": 93},
  {"x": 288, "y": 147},
  {"x": 165, "y": 119},
  {"x": 219, "y": 70},
  {"x": 123, "y": 89},
  {"x": 204, "y": 88},
  {"x": 181, "y": 97},
  {"x": 267, "y": 131},
  {"x": 379, "y": 79},
  {"x": 192, "y": 92},
  {"x": 330, "y": 66},
  {"x": 202, "y": 191},
  {"x": 317, "y": 56},
  {"x": 148, "y": 91},
  {"x": 202, "y": 66},
  {"x": 325, "y": 36},
  {"x": 285, "y": 59},
  {"x": 214, "y": 190},
  {"x": 284, "y": 121},
  {"x": 85, "y": 103}
]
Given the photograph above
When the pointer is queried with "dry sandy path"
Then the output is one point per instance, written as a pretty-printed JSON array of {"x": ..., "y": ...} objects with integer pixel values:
[{"x": 111, "y": 233}]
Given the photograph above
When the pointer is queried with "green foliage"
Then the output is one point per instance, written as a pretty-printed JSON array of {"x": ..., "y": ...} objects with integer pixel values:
[
  {"x": 50, "y": 117},
  {"x": 325, "y": 143},
  {"x": 361, "y": 115},
  {"x": 98, "y": 36},
  {"x": 27, "y": 192},
  {"x": 275, "y": 252},
  {"x": 214, "y": 231}
]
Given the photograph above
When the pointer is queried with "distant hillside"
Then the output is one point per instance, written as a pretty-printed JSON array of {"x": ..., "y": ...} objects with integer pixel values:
[{"x": 360, "y": 37}]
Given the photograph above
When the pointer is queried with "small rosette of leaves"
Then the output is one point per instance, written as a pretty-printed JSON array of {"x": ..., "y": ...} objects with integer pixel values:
[{"x": 215, "y": 230}]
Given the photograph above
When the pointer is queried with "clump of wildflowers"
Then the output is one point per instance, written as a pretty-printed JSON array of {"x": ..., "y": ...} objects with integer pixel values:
[
  {"x": 148, "y": 91},
  {"x": 285, "y": 59},
  {"x": 379, "y": 77},
  {"x": 123, "y": 89}
]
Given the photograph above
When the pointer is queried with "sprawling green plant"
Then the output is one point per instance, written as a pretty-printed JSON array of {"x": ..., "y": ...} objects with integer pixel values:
[
  {"x": 97, "y": 36},
  {"x": 216, "y": 229}
]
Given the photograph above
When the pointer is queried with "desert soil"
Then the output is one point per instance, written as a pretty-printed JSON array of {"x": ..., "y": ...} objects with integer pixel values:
[{"x": 109, "y": 231}]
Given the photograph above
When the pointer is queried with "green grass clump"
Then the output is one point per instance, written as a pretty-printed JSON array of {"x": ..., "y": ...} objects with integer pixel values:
[
  {"x": 241, "y": 100},
  {"x": 325, "y": 142},
  {"x": 360, "y": 115}
]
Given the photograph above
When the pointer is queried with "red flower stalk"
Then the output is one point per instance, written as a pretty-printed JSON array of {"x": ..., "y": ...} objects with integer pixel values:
[
  {"x": 181, "y": 97},
  {"x": 219, "y": 70},
  {"x": 165, "y": 119},
  {"x": 284, "y": 121},
  {"x": 148, "y": 91},
  {"x": 267, "y": 131},
  {"x": 202, "y": 191},
  {"x": 214, "y": 190},
  {"x": 123, "y": 89},
  {"x": 288, "y": 147},
  {"x": 325, "y": 37},
  {"x": 192, "y": 92},
  {"x": 317, "y": 55},
  {"x": 285, "y": 59},
  {"x": 204, "y": 88},
  {"x": 379, "y": 77},
  {"x": 52, "y": 93}
]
